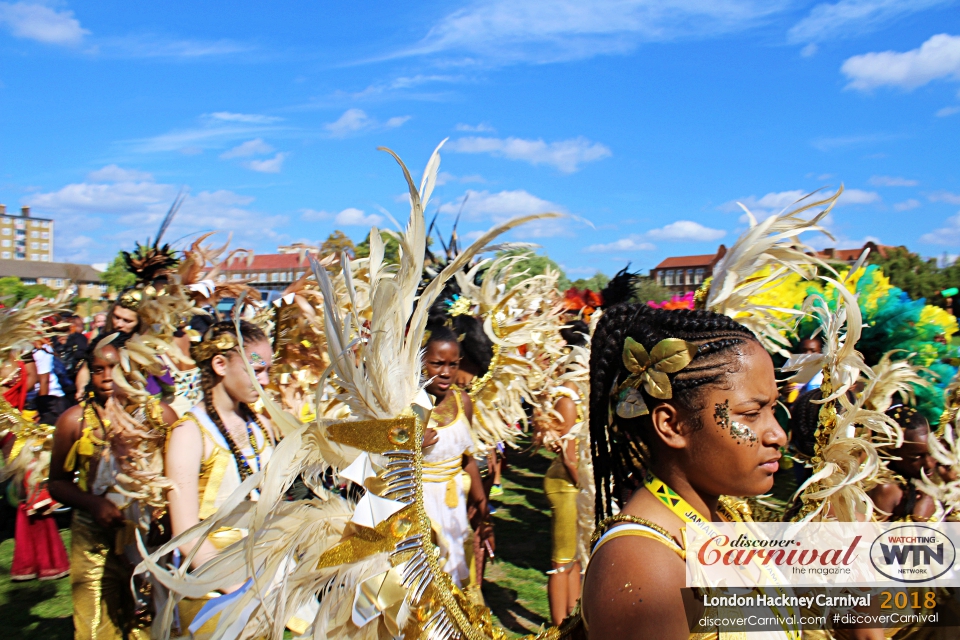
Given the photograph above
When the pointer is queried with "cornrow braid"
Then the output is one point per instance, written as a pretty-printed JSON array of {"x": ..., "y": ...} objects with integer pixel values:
[
  {"x": 620, "y": 446},
  {"x": 208, "y": 377}
]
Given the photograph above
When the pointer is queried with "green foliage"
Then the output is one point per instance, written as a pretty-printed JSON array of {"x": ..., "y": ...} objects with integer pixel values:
[
  {"x": 34, "y": 609},
  {"x": 13, "y": 290},
  {"x": 338, "y": 242},
  {"x": 116, "y": 276},
  {"x": 391, "y": 248},
  {"x": 595, "y": 283},
  {"x": 535, "y": 264},
  {"x": 649, "y": 291},
  {"x": 920, "y": 278}
]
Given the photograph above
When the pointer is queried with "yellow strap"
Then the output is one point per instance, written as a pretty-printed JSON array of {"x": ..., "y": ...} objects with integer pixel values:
[
  {"x": 642, "y": 533},
  {"x": 210, "y": 481},
  {"x": 83, "y": 447}
]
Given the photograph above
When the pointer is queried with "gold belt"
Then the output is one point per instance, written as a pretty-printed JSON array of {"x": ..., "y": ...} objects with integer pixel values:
[{"x": 445, "y": 471}]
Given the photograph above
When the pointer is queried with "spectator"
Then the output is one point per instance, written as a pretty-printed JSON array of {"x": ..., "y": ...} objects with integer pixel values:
[
  {"x": 96, "y": 325},
  {"x": 50, "y": 399}
]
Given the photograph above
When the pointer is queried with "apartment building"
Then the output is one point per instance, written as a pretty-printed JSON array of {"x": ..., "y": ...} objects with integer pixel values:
[{"x": 23, "y": 237}]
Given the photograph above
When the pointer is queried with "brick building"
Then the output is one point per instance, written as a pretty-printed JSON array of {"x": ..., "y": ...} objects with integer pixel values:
[
  {"x": 683, "y": 274},
  {"x": 267, "y": 271},
  {"x": 57, "y": 276}
]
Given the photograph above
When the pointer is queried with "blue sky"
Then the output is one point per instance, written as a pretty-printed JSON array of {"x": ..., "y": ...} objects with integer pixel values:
[{"x": 646, "y": 120}]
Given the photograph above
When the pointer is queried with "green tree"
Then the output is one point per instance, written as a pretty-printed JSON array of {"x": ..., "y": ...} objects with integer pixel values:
[
  {"x": 649, "y": 291},
  {"x": 13, "y": 290},
  {"x": 596, "y": 282},
  {"x": 338, "y": 242},
  {"x": 535, "y": 264},
  {"x": 116, "y": 275},
  {"x": 391, "y": 248}
]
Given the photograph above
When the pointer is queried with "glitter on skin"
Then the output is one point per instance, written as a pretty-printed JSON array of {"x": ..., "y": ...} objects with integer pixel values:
[{"x": 738, "y": 430}]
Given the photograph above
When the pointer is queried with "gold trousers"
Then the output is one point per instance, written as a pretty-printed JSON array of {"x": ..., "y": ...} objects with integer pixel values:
[
  {"x": 103, "y": 605},
  {"x": 562, "y": 494}
]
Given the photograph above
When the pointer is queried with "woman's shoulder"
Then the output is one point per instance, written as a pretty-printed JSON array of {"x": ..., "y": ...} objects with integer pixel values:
[{"x": 632, "y": 581}]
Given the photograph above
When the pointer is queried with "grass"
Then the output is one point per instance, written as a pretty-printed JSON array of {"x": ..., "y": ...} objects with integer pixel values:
[
  {"x": 515, "y": 584},
  {"x": 34, "y": 609}
]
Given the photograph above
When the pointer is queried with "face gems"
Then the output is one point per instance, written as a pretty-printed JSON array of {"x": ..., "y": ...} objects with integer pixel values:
[
  {"x": 739, "y": 431},
  {"x": 256, "y": 358}
]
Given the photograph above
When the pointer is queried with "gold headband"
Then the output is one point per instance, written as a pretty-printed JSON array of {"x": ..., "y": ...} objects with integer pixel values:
[
  {"x": 208, "y": 348},
  {"x": 650, "y": 370},
  {"x": 131, "y": 300}
]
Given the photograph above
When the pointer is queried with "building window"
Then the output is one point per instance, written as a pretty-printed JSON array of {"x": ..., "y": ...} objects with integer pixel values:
[
  {"x": 237, "y": 276},
  {"x": 222, "y": 278},
  {"x": 698, "y": 276},
  {"x": 103, "y": 288},
  {"x": 34, "y": 234},
  {"x": 45, "y": 258},
  {"x": 45, "y": 246},
  {"x": 45, "y": 235},
  {"x": 34, "y": 245},
  {"x": 689, "y": 276},
  {"x": 6, "y": 231},
  {"x": 263, "y": 277},
  {"x": 29, "y": 281},
  {"x": 6, "y": 243},
  {"x": 668, "y": 277},
  {"x": 59, "y": 283},
  {"x": 274, "y": 276}
]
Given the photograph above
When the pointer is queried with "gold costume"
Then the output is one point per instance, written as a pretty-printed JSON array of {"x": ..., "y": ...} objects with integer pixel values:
[
  {"x": 103, "y": 605},
  {"x": 562, "y": 493}
]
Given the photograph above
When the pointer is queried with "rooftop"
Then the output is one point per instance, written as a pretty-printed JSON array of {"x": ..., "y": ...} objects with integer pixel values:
[
  {"x": 30, "y": 269},
  {"x": 265, "y": 261},
  {"x": 682, "y": 262}
]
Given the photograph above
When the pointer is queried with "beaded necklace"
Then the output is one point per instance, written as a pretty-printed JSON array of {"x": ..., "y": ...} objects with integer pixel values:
[{"x": 243, "y": 465}]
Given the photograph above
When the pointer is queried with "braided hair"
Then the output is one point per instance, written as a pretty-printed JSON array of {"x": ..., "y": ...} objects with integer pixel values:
[
  {"x": 251, "y": 334},
  {"x": 621, "y": 445},
  {"x": 439, "y": 333}
]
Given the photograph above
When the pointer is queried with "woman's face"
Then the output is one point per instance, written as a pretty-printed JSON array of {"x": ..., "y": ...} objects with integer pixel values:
[
  {"x": 101, "y": 371},
  {"x": 234, "y": 375},
  {"x": 125, "y": 320},
  {"x": 914, "y": 454},
  {"x": 736, "y": 451},
  {"x": 441, "y": 362}
]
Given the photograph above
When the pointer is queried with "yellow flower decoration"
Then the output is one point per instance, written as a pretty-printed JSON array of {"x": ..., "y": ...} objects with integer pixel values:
[{"x": 650, "y": 370}]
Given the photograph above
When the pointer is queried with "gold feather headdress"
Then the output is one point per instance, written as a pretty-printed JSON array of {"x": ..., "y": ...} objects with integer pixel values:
[{"x": 372, "y": 562}]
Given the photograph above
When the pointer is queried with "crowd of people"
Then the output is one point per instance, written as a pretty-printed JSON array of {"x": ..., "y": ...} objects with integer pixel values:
[{"x": 325, "y": 464}]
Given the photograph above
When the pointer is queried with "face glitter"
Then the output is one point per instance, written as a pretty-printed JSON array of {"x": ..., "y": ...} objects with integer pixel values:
[
  {"x": 738, "y": 430},
  {"x": 255, "y": 358}
]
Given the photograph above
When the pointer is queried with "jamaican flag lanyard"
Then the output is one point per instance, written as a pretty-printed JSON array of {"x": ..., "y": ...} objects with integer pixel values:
[{"x": 686, "y": 512}]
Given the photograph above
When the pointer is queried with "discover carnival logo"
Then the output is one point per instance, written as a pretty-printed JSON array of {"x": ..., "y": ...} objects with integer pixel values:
[{"x": 912, "y": 553}]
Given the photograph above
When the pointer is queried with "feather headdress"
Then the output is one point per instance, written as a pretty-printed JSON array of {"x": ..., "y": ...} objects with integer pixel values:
[
  {"x": 758, "y": 261},
  {"x": 370, "y": 562}
]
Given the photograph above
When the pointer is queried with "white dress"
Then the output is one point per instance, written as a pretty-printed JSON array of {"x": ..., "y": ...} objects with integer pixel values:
[{"x": 444, "y": 497}]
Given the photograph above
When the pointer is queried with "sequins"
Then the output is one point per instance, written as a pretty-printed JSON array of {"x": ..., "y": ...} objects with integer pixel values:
[{"x": 741, "y": 432}]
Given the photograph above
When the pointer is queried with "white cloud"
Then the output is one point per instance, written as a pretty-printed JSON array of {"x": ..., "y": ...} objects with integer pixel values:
[
  {"x": 949, "y": 234},
  {"x": 858, "y": 196},
  {"x": 41, "y": 23},
  {"x": 906, "y": 205},
  {"x": 355, "y": 121},
  {"x": 349, "y": 217},
  {"x": 892, "y": 181},
  {"x": 947, "y": 111},
  {"x": 775, "y": 202},
  {"x": 246, "y": 149},
  {"x": 213, "y": 133},
  {"x": 352, "y": 217},
  {"x": 445, "y": 177},
  {"x": 506, "y": 31},
  {"x": 251, "y": 118},
  {"x": 853, "y": 17},
  {"x": 944, "y": 196},
  {"x": 809, "y": 51},
  {"x": 475, "y": 128},
  {"x": 565, "y": 155},
  {"x": 633, "y": 242},
  {"x": 686, "y": 230},
  {"x": 113, "y": 173},
  {"x": 938, "y": 57},
  {"x": 269, "y": 165},
  {"x": 147, "y": 45},
  {"x": 499, "y": 206},
  {"x": 842, "y": 142},
  {"x": 127, "y": 205}
]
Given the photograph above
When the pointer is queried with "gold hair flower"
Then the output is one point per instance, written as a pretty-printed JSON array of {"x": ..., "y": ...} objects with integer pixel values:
[
  {"x": 209, "y": 348},
  {"x": 650, "y": 370},
  {"x": 131, "y": 300}
]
